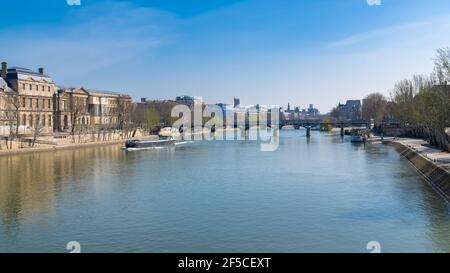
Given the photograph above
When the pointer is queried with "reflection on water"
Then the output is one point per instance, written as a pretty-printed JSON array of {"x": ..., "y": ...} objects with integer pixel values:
[
  {"x": 313, "y": 194},
  {"x": 30, "y": 184}
]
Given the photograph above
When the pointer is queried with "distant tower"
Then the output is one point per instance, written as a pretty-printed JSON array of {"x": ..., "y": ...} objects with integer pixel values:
[
  {"x": 237, "y": 102},
  {"x": 289, "y": 107}
]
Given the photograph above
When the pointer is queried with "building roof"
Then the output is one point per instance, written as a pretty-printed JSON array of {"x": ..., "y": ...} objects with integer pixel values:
[
  {"x": 100, "y": 93},
  {"x": 353, "y": 102},
  {"x": 4, "y": 86},
  {"x": 105, "y": 93},
  {"x": 21, "y": 73}
]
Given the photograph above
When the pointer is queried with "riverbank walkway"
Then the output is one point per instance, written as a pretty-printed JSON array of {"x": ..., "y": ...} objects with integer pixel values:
[{"x": 437, "y": 156}]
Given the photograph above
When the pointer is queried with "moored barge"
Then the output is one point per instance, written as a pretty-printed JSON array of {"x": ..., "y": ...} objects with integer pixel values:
[{"x": 148, "y": 144}]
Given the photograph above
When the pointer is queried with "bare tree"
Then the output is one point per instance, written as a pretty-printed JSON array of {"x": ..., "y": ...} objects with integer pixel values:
[
  {"x": 123, "y": 112},
  {"x": 38, "y": 125},
  {"x": 442, "y": 65},
  {"x": 13, "y": 102},
  {"x": 375, "y": 107},
  {"x": 77, "y": 109},
  {"x": 422, "y": 103},
  {"x": 335, "y": 115}
]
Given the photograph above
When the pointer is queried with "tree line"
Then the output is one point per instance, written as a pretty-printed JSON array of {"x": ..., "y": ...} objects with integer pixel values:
[{"x": 419, "y": 106}]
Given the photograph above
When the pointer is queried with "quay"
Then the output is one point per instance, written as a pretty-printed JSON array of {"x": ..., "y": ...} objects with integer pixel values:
[{"x": 433, "y": 164}]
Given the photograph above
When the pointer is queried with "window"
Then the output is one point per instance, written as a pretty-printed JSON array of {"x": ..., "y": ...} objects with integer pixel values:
[
  {"x": 24, "y": 120},
  {"x": 24, "y": 86},
  {"x": 30, "y": 103},
  {"x": 31, "y": 87},
  {"x": 49, "y": 89},
  {"x": 49, "y": 120},
  {"x": 43, "y": 88},
  {"x": 49, "y": 104},
  {"x": 23, "y": 102}
]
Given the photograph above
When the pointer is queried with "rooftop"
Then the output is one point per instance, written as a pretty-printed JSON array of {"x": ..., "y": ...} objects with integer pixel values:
[
  {"x": 93, "y": 91},
  {"x": 4, "y": 85},
  {"x": 25, "y": 74},
  {"x": 102, "y": 92},
  {"x": 23, "y": 70}
]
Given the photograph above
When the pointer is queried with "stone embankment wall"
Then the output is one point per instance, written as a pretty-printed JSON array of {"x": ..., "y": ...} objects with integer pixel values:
[
  {"x": 44, "y": 144},
  {"x": 438, "y": 177}
]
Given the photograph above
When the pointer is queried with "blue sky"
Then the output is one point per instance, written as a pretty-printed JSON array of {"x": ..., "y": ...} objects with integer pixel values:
[{"x": 263, "y": 51}]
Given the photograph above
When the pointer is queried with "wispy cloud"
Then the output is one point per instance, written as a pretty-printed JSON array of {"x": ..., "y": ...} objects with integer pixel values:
[
  {"x": 374, "y": 2},
  {"x": 376, "y": 34},
  {"x": 118, "y": 32}
]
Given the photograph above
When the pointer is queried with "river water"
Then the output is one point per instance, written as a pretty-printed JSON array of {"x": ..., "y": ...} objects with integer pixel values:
[{"x": 321, "y": 194}]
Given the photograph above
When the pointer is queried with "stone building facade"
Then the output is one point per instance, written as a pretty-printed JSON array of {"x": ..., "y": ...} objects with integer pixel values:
[
  {"x": 35, "y": 102},
  {"x": 87, "y": 107},
  {"x": 32, "y": 93}
]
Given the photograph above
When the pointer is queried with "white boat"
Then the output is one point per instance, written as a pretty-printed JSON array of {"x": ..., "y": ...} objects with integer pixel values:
[{"x": 357, "y": 138}]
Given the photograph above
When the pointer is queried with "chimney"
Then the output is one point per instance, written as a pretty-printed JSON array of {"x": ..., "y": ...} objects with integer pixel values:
[
  {"x": 143, "y": 100},
  {"x": 4, "y": 70},
  {"x": 41, "y": 70}
]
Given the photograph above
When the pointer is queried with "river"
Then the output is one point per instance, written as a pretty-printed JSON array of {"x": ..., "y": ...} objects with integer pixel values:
[{"x": 321, "y": 194}]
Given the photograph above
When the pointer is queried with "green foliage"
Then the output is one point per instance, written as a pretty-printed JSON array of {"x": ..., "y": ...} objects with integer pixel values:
[
  {"x": 151, "y": 119},
  {"x": 326, "y": 125}
]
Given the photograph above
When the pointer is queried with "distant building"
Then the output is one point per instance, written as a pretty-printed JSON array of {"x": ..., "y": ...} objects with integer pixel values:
[
  {"x": 237, "y": 102},
  {"x": 351, "y": 110},
  {"x": 82, "y": 106},
  {"x": 297, "y": 113},
  {"x": 189, "y": 100},
  {"x": 311, "y": 111}
]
